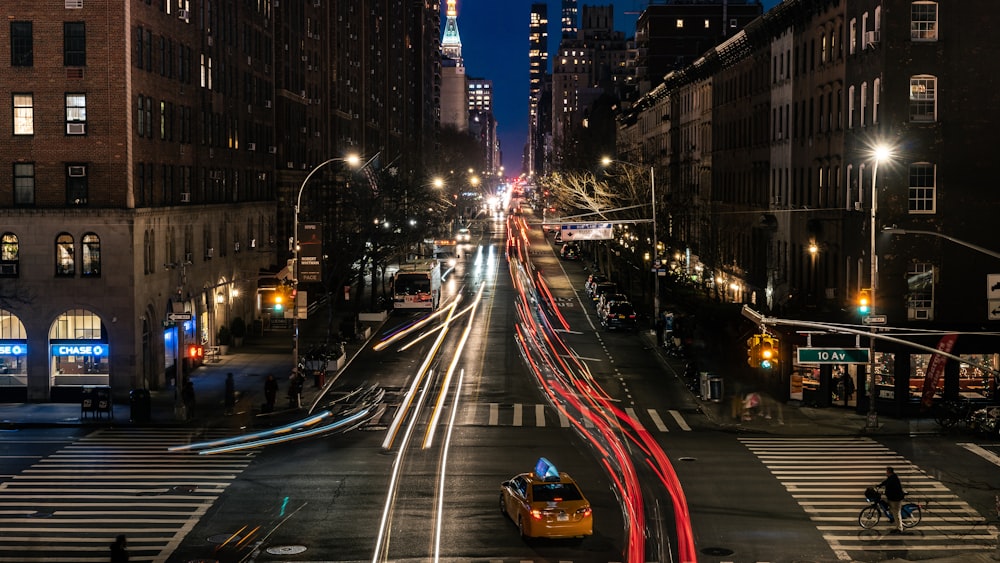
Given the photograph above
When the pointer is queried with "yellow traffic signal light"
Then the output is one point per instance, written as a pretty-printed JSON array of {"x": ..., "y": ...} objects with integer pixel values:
[
  {"x": 768, "y": 353},
  {"x": 865, "y": 301}
]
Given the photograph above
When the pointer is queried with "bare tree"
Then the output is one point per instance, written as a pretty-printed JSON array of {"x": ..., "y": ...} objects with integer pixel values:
[{"x": 621, "y": 194}]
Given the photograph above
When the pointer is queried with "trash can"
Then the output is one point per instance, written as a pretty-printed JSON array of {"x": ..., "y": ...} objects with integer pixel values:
[{"x": 140, "y": 405}]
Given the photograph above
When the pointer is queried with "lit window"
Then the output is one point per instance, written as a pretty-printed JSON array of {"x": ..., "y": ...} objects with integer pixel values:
[
  {"x": 680, "y": 23},
  {"x": 76, "y": 114},
  {"x": 923, "y": 98},
  {"x": 91, "y": 247},
  {"x": 24, "y": 114},
  {"x": 923, "y": 21},
  {"x": 65, "y": 255}
]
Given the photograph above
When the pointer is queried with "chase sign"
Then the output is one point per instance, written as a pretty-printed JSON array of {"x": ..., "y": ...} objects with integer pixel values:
[{"x": 78, "y": 350}]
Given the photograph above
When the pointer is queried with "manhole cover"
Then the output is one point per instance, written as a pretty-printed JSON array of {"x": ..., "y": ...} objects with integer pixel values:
[
  {"x": 286, "y": 549},
  {"x": 688, "y": 458},
  {"x": 717, "y": 551},
  {"x": 223, "y": 538}
]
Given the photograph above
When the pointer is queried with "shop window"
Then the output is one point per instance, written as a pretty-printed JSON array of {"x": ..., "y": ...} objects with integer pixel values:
[
  {"x": 13, "y": 351},
  {"x": 65, "y": 256},
  {"x": 91, "y": 259},
  {"x": 79, "y": 350},
  {"x": 24, "y": 183},
  {"x": 975, "y": 380},
  {"x": 9, "y": 255}
]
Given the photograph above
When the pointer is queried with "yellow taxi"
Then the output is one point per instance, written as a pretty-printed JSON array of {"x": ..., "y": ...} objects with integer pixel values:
[{"x": 546, "y": 504}]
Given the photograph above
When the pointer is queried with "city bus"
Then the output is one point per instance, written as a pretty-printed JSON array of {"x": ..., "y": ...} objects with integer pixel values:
[{"x": 417, "y": 285}]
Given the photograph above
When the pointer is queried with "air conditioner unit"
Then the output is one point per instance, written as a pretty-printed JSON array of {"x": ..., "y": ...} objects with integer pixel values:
[
  {"x": 209, "y": 40},
  {"x": 251, "y": 146},
  {"x": 315, "y": 3},
  {"x": 185, "y": 15},
  {"x": 272, "y": 149},
  {"x": 77, "y": 171},
  {"x": 871, "y": 37},
  {"x": 185, "y": 197},
  {"x": 76, "y": 128},
  {"x": 209, "y": 252},
  {"x": 305, "y": 58},
  {"x": 857, "y": 206},
  {"x": 8, "y": 269},
  {"x": 315, "y": 133},
  {"x": 303, "y": 129},
  {"x": 267, "y": 104},
  {"x": 189, "y": 257},
  {"x": 289, "y": 164},
  {"x": 919, "y": 314}
]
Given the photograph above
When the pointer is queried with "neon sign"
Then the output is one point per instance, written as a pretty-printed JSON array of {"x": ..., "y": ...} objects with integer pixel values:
[
  {"x": 79, "y": 349},
  {"x": 13, "y": 349}
]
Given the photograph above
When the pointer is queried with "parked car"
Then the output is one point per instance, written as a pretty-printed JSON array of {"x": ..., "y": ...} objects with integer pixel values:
[
  {"x": 546, "y": 504},
  {"x": 609, "y": 298},
  {"x": 592, "y": 280},
  {"x": 570, "y": 251},
  {"x": 619, "y": 315},
  {"x": 602, "y": 288}
]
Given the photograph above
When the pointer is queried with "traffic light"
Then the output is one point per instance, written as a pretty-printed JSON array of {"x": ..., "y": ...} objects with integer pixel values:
[
  {"x": 753, "y": 351},
  {"x": 864, "y": 302},
  {"x": 279, "y": 301},
  {"x": 767, "y": 352}
]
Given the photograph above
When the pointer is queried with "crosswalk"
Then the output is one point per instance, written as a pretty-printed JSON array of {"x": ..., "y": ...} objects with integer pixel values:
[
  {"x": 542, "y": 416},
  {"x": 70, "y": 505},
  {"x": 828, "y": 476}
]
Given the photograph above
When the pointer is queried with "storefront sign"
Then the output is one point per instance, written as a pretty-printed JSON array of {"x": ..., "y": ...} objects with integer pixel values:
[
  {"x": 13, "y": 349},
  {"x": 935, "y": 369},
  {"x": 81, "y": 349}
]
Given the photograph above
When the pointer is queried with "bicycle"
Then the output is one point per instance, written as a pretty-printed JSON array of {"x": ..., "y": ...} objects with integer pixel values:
[
  {"x": 870, "y": 515},
  {"x": 949, "y": 413}
]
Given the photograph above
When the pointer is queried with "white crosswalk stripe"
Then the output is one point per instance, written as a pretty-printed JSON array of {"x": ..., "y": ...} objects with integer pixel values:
[
  {"x": 541, "y": 416},
  {"x": 69, "y": 506},
  {"x": 828, "y": 476}
]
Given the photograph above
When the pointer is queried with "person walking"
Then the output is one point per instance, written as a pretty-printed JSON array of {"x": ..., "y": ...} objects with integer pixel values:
[
  {"x": 230, "y": 393},
  {"x": 894, "y": 495},
  {"x": 270, "y": 392},
  {"x": 119, "y": 550},
  {"x": 187, "y": 397}
]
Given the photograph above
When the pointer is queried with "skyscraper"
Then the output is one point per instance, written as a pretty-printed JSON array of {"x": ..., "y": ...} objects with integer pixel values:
[
  {"x": 454, "y": 84},
  {"x": 538, "y": 64},
  {"x": 569, "y": 19}
]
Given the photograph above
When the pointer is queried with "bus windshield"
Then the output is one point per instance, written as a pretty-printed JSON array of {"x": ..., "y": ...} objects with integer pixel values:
[{"x": 412, "y": 284}]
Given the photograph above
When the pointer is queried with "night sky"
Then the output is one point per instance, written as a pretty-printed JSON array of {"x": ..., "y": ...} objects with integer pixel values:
[{"x": 495, "y": 46}]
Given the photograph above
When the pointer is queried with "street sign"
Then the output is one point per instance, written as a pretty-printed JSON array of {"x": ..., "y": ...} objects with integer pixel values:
[
  {"x": 875, "y": 320},
  {"x": 174, "y": 317},
  {"x": 833, "y": 355}
]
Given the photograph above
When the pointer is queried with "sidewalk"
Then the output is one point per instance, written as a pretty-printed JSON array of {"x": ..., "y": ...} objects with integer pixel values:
[{"x": 250, "y": 364}]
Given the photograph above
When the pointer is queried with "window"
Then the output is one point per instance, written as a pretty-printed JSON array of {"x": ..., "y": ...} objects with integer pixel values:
[
  {"x": 850, "y": 107},
  {"x": 923, "y": 21},
  {"x": 76, "y": 184},
  {"x": 864, "y": 103},
  {"x": 76, "y": 114},
  {"x": 923, "y": 98},
  {"x": 854, "y": 36},
  {"x": 920, "y": 291},
  {"x": 876, "y": 87},
  {"x": 140, "y": 115},
  {"x": 9, "y": 255},
  {"x": 91, "y": 248},
  {"x": 24, "y": 183},
  {"x": 21, "y": 44},
  {"x": 680, "y": 23},
  {"x": 24, "y": 114},
  {"x": 74, "y": 44},
  {"x": 65, "y": 255},
  {"x": 922, "y": 187}
]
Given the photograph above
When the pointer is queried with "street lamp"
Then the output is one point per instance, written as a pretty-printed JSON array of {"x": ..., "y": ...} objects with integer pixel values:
[
  {"x": 606, "y": 161},
  {"x": 896, "y": 231},
  {"x": 354, "y": 161},
  {"x": 880, "y": 153}
]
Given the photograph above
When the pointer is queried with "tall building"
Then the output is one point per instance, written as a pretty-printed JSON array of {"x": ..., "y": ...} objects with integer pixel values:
[
  {"x": 483, "y": 123},
  {"x": 538, "y": 67},
  {"x": 152, "y": 178},
  {"x": 454, "y": 83},
  {"x": 569, "y": 19}
]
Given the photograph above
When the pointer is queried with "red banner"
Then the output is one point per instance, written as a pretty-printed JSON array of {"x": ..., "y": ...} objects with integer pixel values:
[{"x": 935, "y": 369}]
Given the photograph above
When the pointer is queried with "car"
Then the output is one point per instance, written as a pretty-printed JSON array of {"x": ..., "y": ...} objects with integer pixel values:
[
  {"x": 601, "y": 288},
  {"x": 609, "y": 298},
  {"x": 463, "y": 235},
  {"x": 546, "y": 503},
  {"x": 619, "y": 315},
  {"x": 570, "y": 251},
  {"x": 448, "y": 259},
  {"x": 592, "y": 280},
  {"x": 558, "y": 237}
]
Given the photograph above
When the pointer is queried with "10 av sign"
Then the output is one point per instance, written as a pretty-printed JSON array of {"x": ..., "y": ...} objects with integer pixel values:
[{"x": 833, "y": 355}]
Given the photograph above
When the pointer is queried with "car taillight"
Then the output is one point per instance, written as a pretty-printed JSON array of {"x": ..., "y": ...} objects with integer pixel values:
[
  {"x": 583, "y": 512},
  {"x": 632, "y": 316},
  {"x": 536, "y": 514}
]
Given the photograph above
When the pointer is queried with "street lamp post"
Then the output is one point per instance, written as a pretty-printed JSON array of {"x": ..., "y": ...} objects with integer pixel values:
[
  {"x": 897, "y": 231},
  {"x": 353, "y": 160},
  {"x": 881, "y": 153}
]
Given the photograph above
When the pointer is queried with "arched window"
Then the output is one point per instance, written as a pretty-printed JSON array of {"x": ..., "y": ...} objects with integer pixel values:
[
  {"x": 864, "y": 104},
  {"x": 91, "y": 248},
  {"x": 9, "y": 255},
  {"x": 65, "y": 255},
  {"x": 876, "y": 94}
]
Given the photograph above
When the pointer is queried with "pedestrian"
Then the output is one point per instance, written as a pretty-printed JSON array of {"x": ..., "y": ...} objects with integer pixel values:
[
  {"x": 119, "y": 551},
  {"x": 230, "y": 393},
  {"x": 187, "y": 396},
  {"x": 660, "y": 325},
  {"x": 270, "y": 392},
  {"x": 894, "y": 495},
  {"x": 295, "y": 390}
]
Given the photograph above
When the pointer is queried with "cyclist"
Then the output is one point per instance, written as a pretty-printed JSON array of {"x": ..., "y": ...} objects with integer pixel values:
[{"x": 894, "y": 495}]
